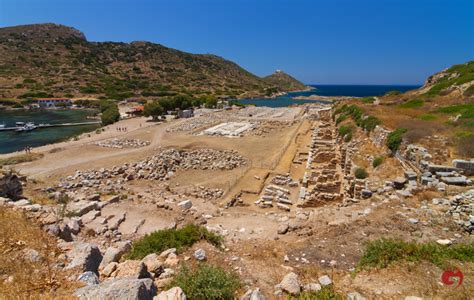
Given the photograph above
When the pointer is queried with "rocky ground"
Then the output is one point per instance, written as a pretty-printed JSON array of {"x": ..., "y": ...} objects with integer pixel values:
[{"x": 275, "y": 242}]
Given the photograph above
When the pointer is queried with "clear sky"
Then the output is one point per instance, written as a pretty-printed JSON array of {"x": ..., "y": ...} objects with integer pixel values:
[{"x": 325, "y": 42}]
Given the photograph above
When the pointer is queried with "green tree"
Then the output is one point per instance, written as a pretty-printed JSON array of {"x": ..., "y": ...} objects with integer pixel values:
[
  {"x": 110, "y": 115},
  {"x": 153, "y": 109},
  {"x": 211, "y": 102}
]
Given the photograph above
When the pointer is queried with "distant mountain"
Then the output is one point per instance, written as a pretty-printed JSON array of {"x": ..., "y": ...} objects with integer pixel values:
[
  {"x": 284, "y": 82},
  {"x": 54, "y": 60}
]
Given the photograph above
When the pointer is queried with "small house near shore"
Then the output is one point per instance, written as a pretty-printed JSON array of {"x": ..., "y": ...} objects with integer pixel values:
[{"x": 52, "y": 102}]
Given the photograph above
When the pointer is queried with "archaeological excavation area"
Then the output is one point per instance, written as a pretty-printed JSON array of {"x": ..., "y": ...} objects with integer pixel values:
[{"x": 278, "y": 184}]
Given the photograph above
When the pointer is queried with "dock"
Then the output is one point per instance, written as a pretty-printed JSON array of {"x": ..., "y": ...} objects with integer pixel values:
[{"x": 54, "y": 125}]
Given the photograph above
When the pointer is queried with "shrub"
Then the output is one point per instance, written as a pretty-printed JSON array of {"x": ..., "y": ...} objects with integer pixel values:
[
  {"x": 110, "y": 115},
  {"x": 368, "y": 99},
  {"x": 340, "y": 119},
  {"x": 392, "y": 93},
  {"x": 427, "y": 117},
  {"x": 325, "y": 293},
  {"x": 377, "y": 161},
  {"x": 383, "y": 252},
  {"x": 412, "y": 103},
  {"x": 370, "y": 122},
  {"x": 394, "y": 139},
  {"x": 161, "y": 240},
  {"x": 361, "y": 173},
  {"x": 345, "y": 129},
  {"x": 206, "y": 282}
]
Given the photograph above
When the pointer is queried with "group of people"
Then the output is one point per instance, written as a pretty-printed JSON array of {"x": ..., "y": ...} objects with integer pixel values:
[
  {"x": 27, "y": 149},
  {"x": 121, "y": 129}
]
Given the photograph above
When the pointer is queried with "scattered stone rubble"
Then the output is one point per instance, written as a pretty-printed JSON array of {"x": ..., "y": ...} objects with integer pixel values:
[
  {"x": 205, "y": 193},
  {"x": 158, "y": 167},
  {"x": 461, "y": 208},
  {"x": 122, "y": 143}
]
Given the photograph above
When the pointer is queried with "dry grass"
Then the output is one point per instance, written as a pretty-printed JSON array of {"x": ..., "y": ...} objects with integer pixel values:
[
  {"x": 21, "y": 278},
  {"x": 21, "y": 158}
]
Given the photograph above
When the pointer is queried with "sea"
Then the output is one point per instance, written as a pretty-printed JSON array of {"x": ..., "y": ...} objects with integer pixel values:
[
  {"x": 11, "y": 141},
  {"x": 328, "y": 90}
]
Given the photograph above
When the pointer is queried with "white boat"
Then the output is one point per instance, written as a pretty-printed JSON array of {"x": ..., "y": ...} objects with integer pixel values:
[
  {"x": 2, "y": 126},
  {"x": 27, "y": 127}
]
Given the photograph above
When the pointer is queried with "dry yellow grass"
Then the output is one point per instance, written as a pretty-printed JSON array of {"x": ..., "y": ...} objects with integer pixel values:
[
  {"x": 21, "y": 278},
  {"x": 21, "y": 158}
]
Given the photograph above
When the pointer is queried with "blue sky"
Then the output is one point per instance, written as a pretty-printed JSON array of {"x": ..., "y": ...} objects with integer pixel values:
[{"x": 325, "y": 42}]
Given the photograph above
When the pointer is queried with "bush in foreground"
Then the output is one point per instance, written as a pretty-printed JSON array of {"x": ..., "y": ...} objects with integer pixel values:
[
  {"x": 377, "y": 161},
  {"x": 361, "y": 173},
  {"x": 383, "y": 252},
  {"x": 325, "y": 293},
  {"x": 180, "y": 239},
  {"x": 206, "y": 282}
]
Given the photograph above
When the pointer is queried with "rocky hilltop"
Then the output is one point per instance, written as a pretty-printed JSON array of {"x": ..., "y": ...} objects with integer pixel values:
[
  {"x": 45, "y": 60},
  {"x": 456, "y": 80},
  {"x": 284, "y": 81}
]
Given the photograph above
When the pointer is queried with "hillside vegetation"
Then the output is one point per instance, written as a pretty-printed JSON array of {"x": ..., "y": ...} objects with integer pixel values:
[
  {"x": 442, "y": 110},
  {"x": 46, "y": 60}
]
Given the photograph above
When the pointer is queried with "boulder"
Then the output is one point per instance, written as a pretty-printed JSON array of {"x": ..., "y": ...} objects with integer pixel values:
[
  {"x": 131, "y": 269},
  {"x": 200, "y": 254},
  {"x": 291, "y": 284},
  {"x": 65, "y": 232},
  {"x": 153, "y": 264},
  {"x": 399, "y": 183},
  {"x": 312, "y": 287},
  {"x": 186, "y": 204},
  {"x": 75, "y": 225},
  {"x": 32, "y": 255},
  {"x": 10, "y": 185},
  {"x": 253, "y": 295},
  {"x": 172, "y": 260},
  {"x": 283, "y": 228},
  {"x": 85, "y": 256},
  {"x": 325, "y": 280},
  {"x": 90, "y": 278},
  {"x": 130, "y": 289},
  {"x": 109, "y": 269},
  {"x": 175, "y": 293},
  {"x": 113, "y": 254},
  {"x": 81, "y": 207}
]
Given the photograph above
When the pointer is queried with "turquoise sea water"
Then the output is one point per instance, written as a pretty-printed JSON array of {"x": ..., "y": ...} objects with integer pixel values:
[
  {"x": 328, "y": 90},
  {"x": 11, "y": 141}
]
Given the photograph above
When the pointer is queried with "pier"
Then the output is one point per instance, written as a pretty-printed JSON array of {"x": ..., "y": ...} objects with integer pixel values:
[{"x": 54, "y": 125}]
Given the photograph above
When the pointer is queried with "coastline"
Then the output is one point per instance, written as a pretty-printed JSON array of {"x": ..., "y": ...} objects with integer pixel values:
[
  {"x": 264, "y": 97},
  {"x": 326, "y": 98}
]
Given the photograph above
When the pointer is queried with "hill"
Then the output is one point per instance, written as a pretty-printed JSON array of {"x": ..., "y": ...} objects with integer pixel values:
[
  {"x": 439, "y": 115},
  {"x": 54, "y": 60},
  {"x": 284, "y": 82}
]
